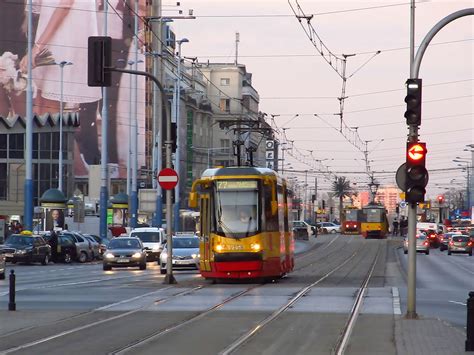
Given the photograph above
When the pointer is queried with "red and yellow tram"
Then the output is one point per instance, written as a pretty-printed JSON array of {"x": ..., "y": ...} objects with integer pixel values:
[
  {"x": 351, "y": 218},
  {"x": 244, "y": 223}
]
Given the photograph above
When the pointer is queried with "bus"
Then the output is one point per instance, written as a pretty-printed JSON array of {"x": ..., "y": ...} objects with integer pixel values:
[{"x": 245, "y": 223}]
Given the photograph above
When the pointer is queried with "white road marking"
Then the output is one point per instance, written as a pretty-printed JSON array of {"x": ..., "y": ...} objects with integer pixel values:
[
  {"x": 131, "y": 299},
  {"x": 456, "y": 302},
  {"x": 396, "y": 301}
]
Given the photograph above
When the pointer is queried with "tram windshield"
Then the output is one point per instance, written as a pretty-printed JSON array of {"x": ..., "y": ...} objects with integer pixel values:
[
  {"x": 351, "y": 215},
  {"x": 373, "y": 215},
  {"x": 236, "y": 208}
]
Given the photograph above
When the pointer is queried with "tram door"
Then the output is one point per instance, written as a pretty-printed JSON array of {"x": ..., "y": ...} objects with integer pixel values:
[{"x": 205, "y": 244}]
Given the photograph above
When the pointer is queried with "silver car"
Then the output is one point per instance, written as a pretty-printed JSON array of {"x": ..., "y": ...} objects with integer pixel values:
[
  {"x": 185, "y": 253},
  {"x": 124, "y": 252},
  {"x": 460, "y": 244},
  {"x": 422, "y": 244}
]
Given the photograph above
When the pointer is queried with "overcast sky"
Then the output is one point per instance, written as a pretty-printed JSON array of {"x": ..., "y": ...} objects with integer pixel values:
[{"x": 292, "y": 78}]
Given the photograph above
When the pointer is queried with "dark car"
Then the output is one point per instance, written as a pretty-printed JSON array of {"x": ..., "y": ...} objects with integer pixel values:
[
  {"x": 63, "y": 250},
  {"x": 2, "y": 266},
  {"x": 103, "y": 243},
  {"x": 123, "y": 252},
  {"x": 26, "y": 247}
]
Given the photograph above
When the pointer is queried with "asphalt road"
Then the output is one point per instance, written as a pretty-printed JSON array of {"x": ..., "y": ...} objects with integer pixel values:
[
  {"x": 443, "y": 283},
  {"x": 80, "y": 308}
]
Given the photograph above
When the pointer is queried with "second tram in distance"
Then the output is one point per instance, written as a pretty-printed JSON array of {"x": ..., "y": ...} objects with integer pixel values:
[
  {"x": 374, "y": 222},
  {"x": 245, "y": 226}
]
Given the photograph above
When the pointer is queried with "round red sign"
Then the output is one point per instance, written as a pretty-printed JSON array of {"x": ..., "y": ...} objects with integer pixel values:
[{"x": 168, "y": 178}]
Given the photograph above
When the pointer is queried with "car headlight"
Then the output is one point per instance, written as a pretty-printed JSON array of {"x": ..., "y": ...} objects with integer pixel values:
[
  {"x": 109, "y": 256},
  {"x": 136, "y": 255},
  {"x": 195, "y": 255}
]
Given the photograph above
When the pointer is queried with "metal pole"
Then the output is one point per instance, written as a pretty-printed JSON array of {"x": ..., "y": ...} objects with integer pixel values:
[
  {"x": 134, "y": 141},
  {"x": 28, "y": 196},
  {"x": 104, "y": 192},
  {"x": 208, "y": 158},
  {"x": 129, "y": 150},
  {"x": 60, "y": 167},
  {"x": 412, "y": 137},
  {"x": 178, "y": 149}
]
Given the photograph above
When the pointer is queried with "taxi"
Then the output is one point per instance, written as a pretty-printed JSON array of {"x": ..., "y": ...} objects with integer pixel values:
[{"x": 26, "y": 247}]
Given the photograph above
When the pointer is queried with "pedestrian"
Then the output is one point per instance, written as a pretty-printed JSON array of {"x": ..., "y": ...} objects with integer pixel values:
[
  {"x": 395, "y": 226},
  {"x": 53, "y": 242}
]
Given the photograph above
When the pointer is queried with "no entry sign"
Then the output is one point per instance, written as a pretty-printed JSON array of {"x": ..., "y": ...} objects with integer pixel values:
[{"x": 168, "y": 178}]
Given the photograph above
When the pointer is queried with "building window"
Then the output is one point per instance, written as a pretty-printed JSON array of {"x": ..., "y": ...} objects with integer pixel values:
[
  {"x": 224, "y": 105},
  {"x": 225, "y": 81},
  {"x": 17, "y": 145},
  {"x": 3, "y": 181},
  {"x": 225, "y": 143},
  {"x": 3, "y": 146}
]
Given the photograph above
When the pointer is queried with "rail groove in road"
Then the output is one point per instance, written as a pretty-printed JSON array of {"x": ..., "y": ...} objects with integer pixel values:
[{"x": 89, "y": 325}]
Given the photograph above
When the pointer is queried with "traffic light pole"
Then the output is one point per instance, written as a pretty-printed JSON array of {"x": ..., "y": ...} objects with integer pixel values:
[
  {"x": 169, "y": 279},
  {"x": 415, "y": 62}
]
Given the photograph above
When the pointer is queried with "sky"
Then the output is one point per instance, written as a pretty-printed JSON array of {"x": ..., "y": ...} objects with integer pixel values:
[{"x": 293, "y": 79}]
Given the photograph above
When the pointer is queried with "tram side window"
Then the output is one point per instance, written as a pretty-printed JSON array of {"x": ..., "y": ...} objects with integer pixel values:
[
  {"x": 281, "y": 209},
  {"x": 271, "y": 221}
]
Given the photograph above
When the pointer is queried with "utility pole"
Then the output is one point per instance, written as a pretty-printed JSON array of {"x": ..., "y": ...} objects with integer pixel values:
[{"x": 134, "y": 142}]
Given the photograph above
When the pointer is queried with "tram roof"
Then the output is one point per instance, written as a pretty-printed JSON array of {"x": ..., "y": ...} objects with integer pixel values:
[{"x": 239, "y": 170}]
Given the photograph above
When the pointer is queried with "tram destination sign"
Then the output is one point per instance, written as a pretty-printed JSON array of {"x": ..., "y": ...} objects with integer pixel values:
[{"x": 236, "y": 185}]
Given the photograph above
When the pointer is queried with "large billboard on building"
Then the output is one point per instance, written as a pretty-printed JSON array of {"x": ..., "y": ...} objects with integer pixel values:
[{"x": 60, "y": 36}]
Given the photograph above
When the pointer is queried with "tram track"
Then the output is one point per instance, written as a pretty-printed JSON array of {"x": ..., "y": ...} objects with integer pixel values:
[{"x": 173, "y": 327}]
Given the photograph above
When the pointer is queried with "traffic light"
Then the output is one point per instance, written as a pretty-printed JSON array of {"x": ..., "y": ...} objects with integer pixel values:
[
  {"x": 413, "y": 101},
  {"x": 440, "y": 199},
  {"x": 99, "y": 57},
  {"x": 416, "y": 173}
]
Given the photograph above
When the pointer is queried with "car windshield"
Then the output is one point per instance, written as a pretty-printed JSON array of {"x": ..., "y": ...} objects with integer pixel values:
[
  {"x": 20, "y": 239},
  {"x": 147, "y": 237},
  {"x": 184, "y": 243},
  {"x": 124, "y": 243}
]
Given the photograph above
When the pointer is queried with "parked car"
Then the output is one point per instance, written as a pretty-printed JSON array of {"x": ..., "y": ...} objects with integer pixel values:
[
  {"x": 329, "y": 227},
  {"x": 460, "y": 244},
  {"x": 2, "y": 266},
  {"x": 422, "y": 244},
  {"x": 103, "y": 243},
  {"x": 95, "y": 246},
  {"x": 83, "y": 246},
  {"x": 64, "y": 250},
  {"x": 152, "y": 239},
  {"x": 302, "y": 230},
  {"x": 185, "y": 253},
  {"x": 124, "y": 252},
  {"x": 26, "y": 247}
]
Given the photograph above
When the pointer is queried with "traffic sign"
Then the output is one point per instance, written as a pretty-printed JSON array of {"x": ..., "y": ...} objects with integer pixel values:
[
  {"x": 168, "y": 178},
  {"x": 401, "y": 177}
]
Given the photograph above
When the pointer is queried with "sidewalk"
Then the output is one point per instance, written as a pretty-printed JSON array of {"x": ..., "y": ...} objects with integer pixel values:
[{"x": 428, "y": 336}]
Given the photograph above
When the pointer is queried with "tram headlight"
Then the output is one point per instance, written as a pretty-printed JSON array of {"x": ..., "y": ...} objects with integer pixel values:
[
  {"x": 219, "y": 248},
  {"x": 255, "y": 246}
]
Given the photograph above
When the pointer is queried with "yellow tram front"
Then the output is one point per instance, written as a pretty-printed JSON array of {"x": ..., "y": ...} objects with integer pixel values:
[
  {"x": 244, "y": 227},
  {"x": 374, "y": 221}
]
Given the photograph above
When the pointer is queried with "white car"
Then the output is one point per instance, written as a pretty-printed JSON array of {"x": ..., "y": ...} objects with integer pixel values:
[
  {"x": 185, "y": 253},
  {"x": 153, "y": 240},
  {"x": 329, "y": 227}
]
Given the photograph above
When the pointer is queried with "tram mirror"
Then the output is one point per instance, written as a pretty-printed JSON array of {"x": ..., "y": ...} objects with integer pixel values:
[
  {"x": 193, "y": 200},
  {"x": 274, "y": 207}
]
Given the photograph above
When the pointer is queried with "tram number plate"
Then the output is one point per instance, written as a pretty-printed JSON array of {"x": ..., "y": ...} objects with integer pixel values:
[
  {"x": 123, "y": 260},
  {"x": 236, "y": 247}
]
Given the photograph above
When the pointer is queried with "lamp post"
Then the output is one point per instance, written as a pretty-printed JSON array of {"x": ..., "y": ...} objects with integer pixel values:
[
  {"x": 130, "y": 115},
  {"x": 60, "y": 165},
  {"x": 178, "y": 149},
  {"x": 468, "y": 168}
]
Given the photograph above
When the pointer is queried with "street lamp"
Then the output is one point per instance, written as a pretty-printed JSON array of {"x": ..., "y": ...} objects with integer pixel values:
[
  {"x": 130, "y": 114},
  {"x": 60, "y": 167},
  {"x": 468, "y": 168},
  {"x": 178, "y": 149}
]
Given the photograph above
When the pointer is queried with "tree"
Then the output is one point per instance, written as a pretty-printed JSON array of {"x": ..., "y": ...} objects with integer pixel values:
[{"x": 341, "y": 187}]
